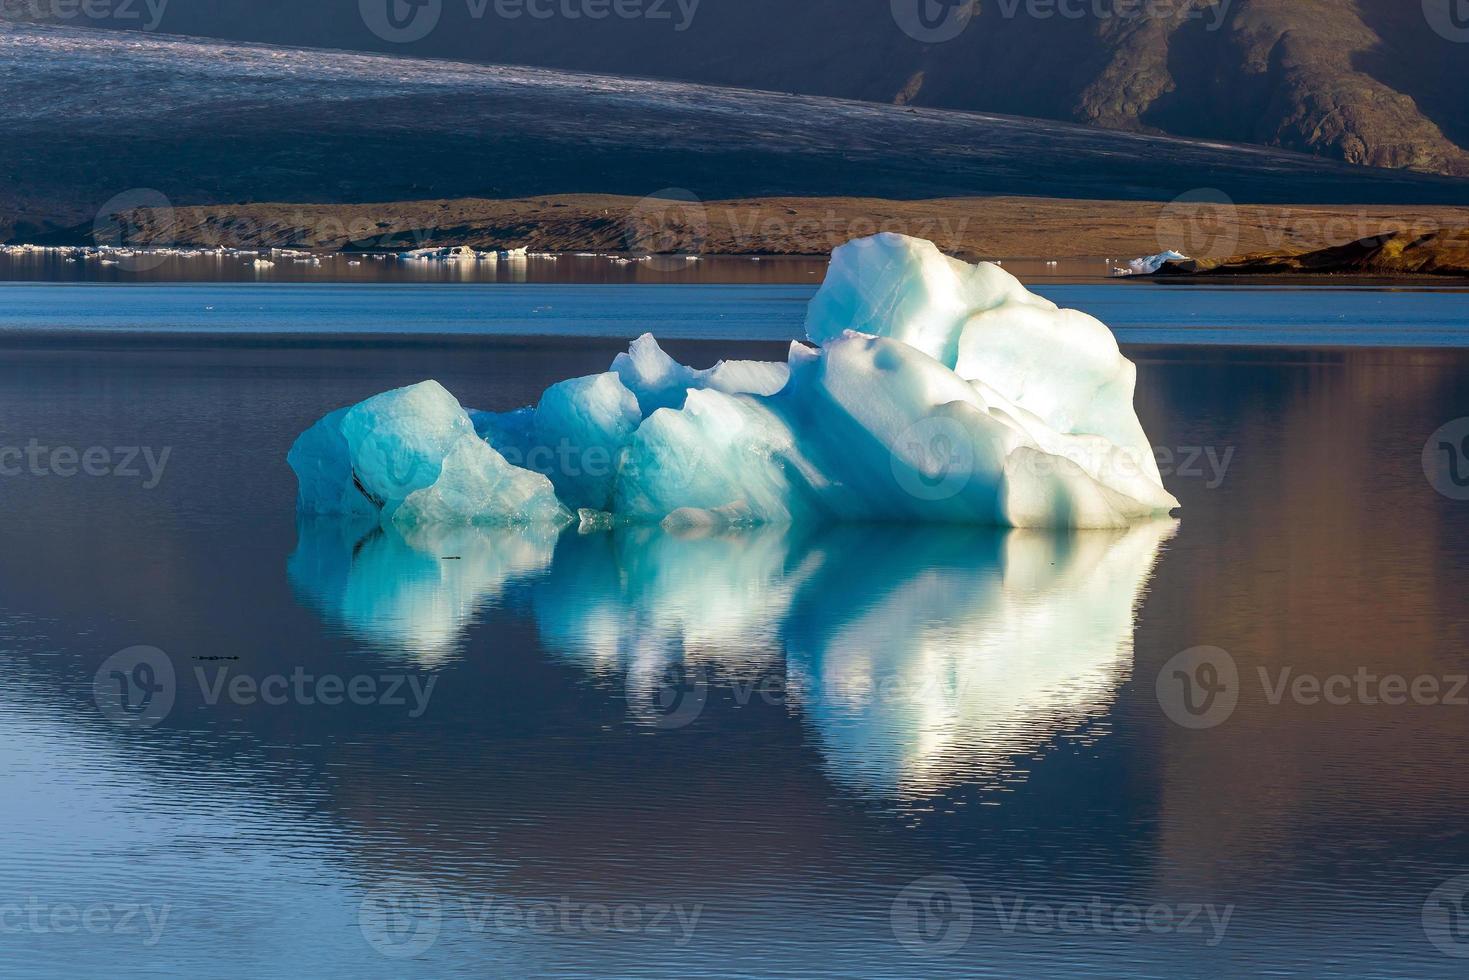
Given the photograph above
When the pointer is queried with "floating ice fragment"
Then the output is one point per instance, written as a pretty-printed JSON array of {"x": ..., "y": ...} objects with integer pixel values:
[
  {"x": 1149, "y": 264},
  {"x": 939, "y": 392}
]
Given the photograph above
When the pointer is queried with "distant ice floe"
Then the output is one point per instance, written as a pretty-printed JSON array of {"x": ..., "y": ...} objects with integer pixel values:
[
  {"x": 445, "y": 254},
  {"x": 465, "y": 253},
  {"x": 1149, "y": 264},
  {"x": 112, "y": 253},
  {"x": 937, "y": 392},
  {"x": 295, "y": 256}
]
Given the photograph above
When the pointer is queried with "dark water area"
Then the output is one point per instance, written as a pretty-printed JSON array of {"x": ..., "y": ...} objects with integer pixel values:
[{"x": 858, "y": 751}]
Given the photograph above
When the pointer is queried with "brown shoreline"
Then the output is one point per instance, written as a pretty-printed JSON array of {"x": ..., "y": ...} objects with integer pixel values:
[
  {"x": 971, "y": 228},
  {"x": 1418, "y": 254}
]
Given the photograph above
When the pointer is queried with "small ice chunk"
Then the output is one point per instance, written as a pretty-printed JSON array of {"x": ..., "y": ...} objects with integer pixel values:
[
  {"x": 593, "y": 521},
  {"x": 716, "y": 519},
  {"x": 1149, "y": 264}
]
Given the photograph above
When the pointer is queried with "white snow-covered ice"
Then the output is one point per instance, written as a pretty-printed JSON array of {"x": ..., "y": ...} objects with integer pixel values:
[
  {"x": 1149, "y": 264},
  {"x": 937, "y": 391}
]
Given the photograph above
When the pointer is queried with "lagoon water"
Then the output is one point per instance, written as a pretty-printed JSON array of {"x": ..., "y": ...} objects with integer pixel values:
[{"x": 861, "y": 751}]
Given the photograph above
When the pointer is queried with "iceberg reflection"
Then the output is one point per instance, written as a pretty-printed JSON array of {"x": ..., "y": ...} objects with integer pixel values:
[
  {"x": 411, "y": 593},
  {"x": 958, "y": 655},
  {"x": 919, "y": 657}
]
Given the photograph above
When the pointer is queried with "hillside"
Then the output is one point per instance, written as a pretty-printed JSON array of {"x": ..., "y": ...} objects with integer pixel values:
[
  {"x": 972, "y": 228},
  {"x": 204, "y": 123},
  {"x": 1375, "y": 82},
  {"x": 1405, "y": 253}
]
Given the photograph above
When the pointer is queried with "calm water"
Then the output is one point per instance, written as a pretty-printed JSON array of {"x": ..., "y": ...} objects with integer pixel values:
[
  {"x": 646, "y": 755},
  {"x": 768, "y": 309}
]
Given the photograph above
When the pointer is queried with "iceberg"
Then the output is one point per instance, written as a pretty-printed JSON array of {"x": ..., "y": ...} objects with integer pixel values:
[
  {"x": 936, "y": 392},
  {"x": 1149, "y": 264}
]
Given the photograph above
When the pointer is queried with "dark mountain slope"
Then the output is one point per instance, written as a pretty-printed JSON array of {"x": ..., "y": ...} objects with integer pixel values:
[
  {"x": 212, "y": 123},
  {"x": 1365, "y": 81}
]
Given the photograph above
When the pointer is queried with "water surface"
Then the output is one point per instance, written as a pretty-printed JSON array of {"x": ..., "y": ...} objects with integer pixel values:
[
  {"x": 773, "y": 737},
  {"x": 703, "y": 306}
]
